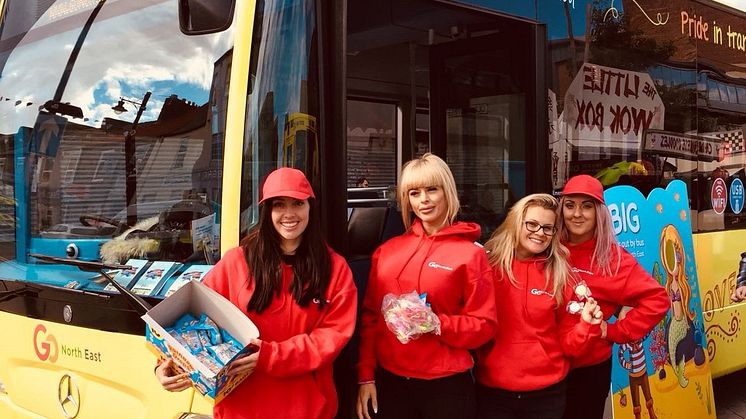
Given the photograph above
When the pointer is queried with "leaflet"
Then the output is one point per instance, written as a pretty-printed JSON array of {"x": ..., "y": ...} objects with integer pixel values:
[
  {"x": 153, "y": 279},
  {"x": 125, "y": 277},
  {"x": 192, "y": 273}
]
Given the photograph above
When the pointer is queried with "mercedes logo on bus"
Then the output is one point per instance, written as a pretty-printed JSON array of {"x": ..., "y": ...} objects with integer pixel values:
[
  {"x": 68, "y": 396},
  {"x": 67, "y": 313}
]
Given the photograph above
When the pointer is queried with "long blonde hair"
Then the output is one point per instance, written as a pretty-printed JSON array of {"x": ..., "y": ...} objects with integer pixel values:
[
  {"x": 607, "y": 255},
  {"x": 428, "y": 170},
  {"x": 501, "y": 246}
]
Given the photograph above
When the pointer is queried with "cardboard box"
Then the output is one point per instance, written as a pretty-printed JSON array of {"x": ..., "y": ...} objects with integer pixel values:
[{"x": 196, "y": 298}]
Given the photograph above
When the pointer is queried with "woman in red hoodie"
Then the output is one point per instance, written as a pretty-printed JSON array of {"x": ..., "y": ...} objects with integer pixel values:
[
  {"x": 521, "y": 372},
  {"x": 428, "y": 377},
  {"x": 299, "y": 294},
  {"x": 615, "y": 279}
]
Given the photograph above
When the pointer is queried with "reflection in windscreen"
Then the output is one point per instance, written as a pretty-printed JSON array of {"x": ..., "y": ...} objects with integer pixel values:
[{"x": 146, "y": 154}]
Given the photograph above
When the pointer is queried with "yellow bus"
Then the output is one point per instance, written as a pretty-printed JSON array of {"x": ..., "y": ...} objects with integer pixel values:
[
  {"x": 301, "y": 143},
  {"x": 124, "y": 124}
]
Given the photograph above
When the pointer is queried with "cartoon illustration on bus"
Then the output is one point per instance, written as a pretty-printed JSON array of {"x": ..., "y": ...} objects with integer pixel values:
[
  {"x": 669, "y": 363},
  {"x": 633, "y": 358},
  {"x": 682, "y": 342}
]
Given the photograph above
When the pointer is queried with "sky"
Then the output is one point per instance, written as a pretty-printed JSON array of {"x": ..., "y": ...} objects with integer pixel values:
[
  {"x": 151, "y": 55},
  {"x": 736, "y": 4}
]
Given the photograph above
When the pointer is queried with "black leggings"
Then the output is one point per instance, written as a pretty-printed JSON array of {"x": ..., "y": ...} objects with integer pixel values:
[
  {"x": 546, "y": 403},
  {"x": 587, "y": 389},
  {"x": 411, "y": 398}
]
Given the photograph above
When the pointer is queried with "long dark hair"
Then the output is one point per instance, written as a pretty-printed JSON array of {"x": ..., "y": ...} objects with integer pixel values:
[{"x": 311, "y": 269}]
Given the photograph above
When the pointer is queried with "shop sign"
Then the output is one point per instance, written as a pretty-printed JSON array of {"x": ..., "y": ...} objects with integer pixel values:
[
  {"x": 607, "y": 106},
  {"x": 690, "y": 147}
]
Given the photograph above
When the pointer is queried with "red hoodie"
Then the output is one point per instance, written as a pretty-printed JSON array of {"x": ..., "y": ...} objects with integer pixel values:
[
  {"x": 527, "y": 352},
  {"x": 293, "y": 376},
  {"x": 457, "y": 278},
  {"x": 631, "y": 286}
]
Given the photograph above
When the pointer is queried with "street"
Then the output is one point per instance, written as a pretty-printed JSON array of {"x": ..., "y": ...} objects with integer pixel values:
[{"x": 730, "y": 396}]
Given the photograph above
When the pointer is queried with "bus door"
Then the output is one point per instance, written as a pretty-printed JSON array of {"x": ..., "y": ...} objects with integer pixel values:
[
  {"x": 487, "y": 102},
  {"x": 462, "y": 83},
  {"x": 425, "y": 76}
]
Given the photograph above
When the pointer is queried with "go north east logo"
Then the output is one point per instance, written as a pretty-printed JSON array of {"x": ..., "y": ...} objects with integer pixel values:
[
  {"x": 48, "y": 349},
  {"x": 45, "y": 344}
]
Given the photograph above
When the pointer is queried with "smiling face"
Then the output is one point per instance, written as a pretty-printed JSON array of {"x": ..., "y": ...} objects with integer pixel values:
[
  {"x": 430, "y": 206},
  {"x": 290, "y": 219},
  {"x": 532, "y": 243},
  {"x": 579, "y": 216}
]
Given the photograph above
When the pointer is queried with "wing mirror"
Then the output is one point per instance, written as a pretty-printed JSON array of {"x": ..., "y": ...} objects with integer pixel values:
[{"x": 199, "y": 17}]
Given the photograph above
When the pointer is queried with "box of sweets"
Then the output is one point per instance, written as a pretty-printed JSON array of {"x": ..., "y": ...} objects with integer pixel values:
[{"x": 197, "y": 300}]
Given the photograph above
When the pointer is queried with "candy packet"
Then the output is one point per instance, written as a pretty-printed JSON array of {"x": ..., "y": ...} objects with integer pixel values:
[
  {"x": 409, "y": 316},
  {"x": 224, "y": 352}
]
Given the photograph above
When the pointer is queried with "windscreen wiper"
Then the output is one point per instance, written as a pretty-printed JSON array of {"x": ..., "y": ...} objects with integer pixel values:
[
  {"x": 140, "y": 305},
  {"x": 26, "y": 290}
]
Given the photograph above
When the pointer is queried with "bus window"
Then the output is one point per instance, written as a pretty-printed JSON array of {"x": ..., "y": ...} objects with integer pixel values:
[
  {"x": 442, "y": 85},
  {"x": 676, "y": 114},
  {"x": 108, "y": 155},
  {"x": 283, "y": 98},
  {"x": 484, "y": 106},
  {"x": 372, "y": 144}
]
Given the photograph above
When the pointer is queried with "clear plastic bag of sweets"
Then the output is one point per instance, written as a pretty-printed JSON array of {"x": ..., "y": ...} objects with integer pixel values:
[{"x": 409, "y": 316}]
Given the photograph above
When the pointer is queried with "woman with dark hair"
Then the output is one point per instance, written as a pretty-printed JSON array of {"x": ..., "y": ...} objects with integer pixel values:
[{"x": 299, "y": 294}]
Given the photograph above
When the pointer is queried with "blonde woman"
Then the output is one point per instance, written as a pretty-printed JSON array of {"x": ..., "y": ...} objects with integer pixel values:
[
  {"x": 616, "y": 280},
  {"x": 521, "y": 372},
  {"x": 428, "y": 377}
]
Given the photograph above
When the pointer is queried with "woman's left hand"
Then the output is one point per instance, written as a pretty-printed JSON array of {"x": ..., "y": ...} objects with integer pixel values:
[
  {"x": 247, "y": 363},
  {"x": 592, "y": 312}
]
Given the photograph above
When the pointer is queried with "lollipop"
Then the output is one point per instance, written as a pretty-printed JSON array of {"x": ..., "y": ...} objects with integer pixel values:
[
  {"x": 574, "y": 307},
  {"x": 582, "y": 291}
]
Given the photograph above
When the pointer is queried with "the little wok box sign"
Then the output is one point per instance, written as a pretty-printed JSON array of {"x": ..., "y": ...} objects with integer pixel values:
[{"x": 606, "y": 106}]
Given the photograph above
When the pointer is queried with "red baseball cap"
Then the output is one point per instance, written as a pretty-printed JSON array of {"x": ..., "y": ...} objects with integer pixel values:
[
  {"x": 286, "y": 181},
  {"x": 584, "y": 185}
]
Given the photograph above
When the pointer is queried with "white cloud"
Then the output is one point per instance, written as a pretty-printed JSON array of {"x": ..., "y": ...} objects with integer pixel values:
[{"x": 125, "y": 54}]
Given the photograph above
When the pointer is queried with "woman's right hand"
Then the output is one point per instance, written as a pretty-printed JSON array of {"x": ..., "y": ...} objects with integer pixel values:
[
  {"x": 592, "y": 312},
  {"x": 366, "y": 392},
  {"x": 179, "y": 382}
]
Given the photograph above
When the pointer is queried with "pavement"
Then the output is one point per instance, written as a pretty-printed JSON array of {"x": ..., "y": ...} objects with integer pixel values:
[{"x": 730, "y": 396}]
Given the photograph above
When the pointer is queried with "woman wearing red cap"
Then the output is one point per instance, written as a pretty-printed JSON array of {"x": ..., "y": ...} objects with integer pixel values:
[
  {"x": 521, "y": 371},
  {"x": 615, "y": 280},
  {"x": 427, "y": 377},
  {"x": 299, "y": 294}
]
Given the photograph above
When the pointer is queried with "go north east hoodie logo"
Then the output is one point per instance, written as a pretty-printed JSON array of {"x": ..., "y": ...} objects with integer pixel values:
[
  {"x": 437, "y": 265},
  {"x": 45, "y": 344}
]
